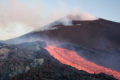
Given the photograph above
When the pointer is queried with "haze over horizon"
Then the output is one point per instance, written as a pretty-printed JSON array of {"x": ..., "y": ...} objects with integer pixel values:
[{"x": 22, "y": 16}]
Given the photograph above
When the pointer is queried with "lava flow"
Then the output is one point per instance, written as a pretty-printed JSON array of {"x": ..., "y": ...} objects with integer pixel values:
[{"x": 71, "y": 58}]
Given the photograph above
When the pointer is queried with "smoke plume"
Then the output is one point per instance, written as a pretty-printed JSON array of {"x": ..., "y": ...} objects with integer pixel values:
[{"x": 18, "y": 18}]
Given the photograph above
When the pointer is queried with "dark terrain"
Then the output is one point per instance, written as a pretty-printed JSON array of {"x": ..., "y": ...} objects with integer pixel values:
[
  {"x": 30, "y": 61},
  {"x": 99, "y": 40},
  {"x": 99, "y": 34}
]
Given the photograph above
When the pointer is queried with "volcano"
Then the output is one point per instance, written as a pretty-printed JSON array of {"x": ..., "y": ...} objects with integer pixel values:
[
  {"x": 82, "y": 41},
  {"x": 98, "y": 33}
]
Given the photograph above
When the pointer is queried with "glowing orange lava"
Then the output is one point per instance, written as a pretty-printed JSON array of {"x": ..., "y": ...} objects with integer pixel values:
[{"x": 71, "y": 58}]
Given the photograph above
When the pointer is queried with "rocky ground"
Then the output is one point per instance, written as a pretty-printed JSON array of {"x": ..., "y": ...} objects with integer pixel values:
[{"x": 30, "y": 61}]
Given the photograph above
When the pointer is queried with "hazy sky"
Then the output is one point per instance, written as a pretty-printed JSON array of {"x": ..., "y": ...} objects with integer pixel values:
[
  {"x": 18, "y": 17},
  {"x": 108, "y": 9}
]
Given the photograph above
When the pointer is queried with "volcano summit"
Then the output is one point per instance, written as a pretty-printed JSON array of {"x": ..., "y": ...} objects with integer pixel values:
[{"x": 75, "y": 47}]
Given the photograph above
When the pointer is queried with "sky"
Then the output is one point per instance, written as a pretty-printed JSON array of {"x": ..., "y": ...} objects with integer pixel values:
[
  {"x": 108, "y": 9},
  {"x": 18, "y": 17}
]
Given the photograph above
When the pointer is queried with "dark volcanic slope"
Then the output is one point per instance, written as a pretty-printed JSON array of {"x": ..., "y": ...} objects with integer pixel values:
[
  {"x": 30, "y": 61},
  {"x": 100, "y": 39},
  {"x": 98, "y": 34},
  {"x": 51, "y": 71}
]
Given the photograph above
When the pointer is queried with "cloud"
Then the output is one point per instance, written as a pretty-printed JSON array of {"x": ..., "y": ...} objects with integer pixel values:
[
  {"x": 12, "y": 30},
  {"x": 18, "y": 17},
  {"x": 15, "y": 12},
  {"x": 81, "y": 15}
]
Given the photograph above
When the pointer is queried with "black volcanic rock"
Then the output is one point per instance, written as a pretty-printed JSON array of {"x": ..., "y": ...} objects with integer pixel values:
[
  {"x": 36, "y": 64},
  {"x": 51, "y": 71},
  {"x": 17, "y": 59}
]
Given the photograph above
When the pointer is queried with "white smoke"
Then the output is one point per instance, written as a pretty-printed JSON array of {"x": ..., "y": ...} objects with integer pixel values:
[
  {"x": 81, "y": 15},
  {"x": 12, "y": 30},
  {"x": 18, "y": 18}
]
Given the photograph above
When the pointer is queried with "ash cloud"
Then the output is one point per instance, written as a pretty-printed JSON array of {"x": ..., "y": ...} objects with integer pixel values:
[
  {"x": 17, "y": 18},
  {"x": 15, "y": 14}
]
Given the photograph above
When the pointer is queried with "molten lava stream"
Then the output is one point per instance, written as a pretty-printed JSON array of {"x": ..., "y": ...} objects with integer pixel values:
[{"x": 71, "y": 58}]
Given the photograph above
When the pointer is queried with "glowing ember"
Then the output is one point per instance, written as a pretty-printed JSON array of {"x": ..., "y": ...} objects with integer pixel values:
[{"x": 71, "y": 58}]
